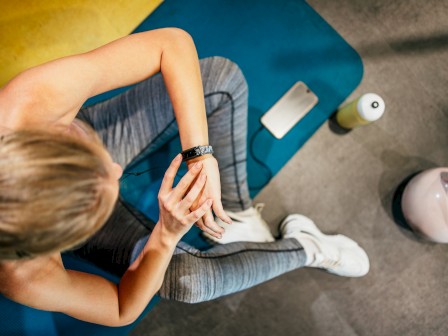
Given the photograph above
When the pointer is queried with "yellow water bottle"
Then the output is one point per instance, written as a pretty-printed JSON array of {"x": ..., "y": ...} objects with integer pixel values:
[{"x": 362, "y": 111}]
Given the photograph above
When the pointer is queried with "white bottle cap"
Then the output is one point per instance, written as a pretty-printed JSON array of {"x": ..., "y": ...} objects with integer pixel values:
[{"x": 370, "y": 106}]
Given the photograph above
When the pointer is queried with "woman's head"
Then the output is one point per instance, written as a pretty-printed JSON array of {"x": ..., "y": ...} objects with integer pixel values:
[{"x": 56, "y": 190}]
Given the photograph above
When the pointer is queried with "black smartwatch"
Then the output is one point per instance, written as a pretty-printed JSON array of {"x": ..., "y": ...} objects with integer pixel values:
[{"x": 194, "y": 152}]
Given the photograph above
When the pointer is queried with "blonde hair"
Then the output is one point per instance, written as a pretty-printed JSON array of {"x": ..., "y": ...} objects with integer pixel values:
[{"x": 52, "y": 192}]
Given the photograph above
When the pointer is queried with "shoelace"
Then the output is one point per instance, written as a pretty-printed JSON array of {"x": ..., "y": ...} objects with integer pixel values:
[{"x": 325, "y": 262}]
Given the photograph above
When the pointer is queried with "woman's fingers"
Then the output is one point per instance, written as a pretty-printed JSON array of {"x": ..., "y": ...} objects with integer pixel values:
[
  {"x": 168, "y": 179},
  {"x": 176, "y": 201},
  {"x": 200, "y": 224},
  {"x": 210, "y": 232},
  {"x": 210, "y": 223},
  {"x": 219, "y": 211},
  {"x": 196, "y": 215},
  {"x": 185, "y": 182},
  {"x": 192, "y": 195}
]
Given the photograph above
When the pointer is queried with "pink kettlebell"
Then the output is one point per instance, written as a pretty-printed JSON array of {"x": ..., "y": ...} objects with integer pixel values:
[{"x": 424, "y": 204}]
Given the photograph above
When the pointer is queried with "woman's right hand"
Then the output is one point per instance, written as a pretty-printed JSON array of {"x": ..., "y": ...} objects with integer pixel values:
[{"x": 175, "y": 217}]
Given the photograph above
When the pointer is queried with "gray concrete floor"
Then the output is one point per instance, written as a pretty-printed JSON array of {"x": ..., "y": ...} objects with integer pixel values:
[{"x": 345, "y": 183}]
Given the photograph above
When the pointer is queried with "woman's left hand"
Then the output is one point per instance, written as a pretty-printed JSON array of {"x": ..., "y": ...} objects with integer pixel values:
[{"x": 212, "y": 189}]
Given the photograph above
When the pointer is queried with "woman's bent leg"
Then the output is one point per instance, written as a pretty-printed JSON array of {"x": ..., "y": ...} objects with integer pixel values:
[
  {"x": 118, "y": 243},
  {"x": 192, "y": 275},
  {"x": 139, "y": 121},
  {"x": 195, "y": 276}
]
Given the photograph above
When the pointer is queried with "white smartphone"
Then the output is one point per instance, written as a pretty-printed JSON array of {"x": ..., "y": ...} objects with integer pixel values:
[{"x": 287, "y": 112}]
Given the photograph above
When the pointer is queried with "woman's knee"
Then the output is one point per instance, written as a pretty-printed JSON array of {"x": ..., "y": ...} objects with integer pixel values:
[
  {"x": 187, "y": 279},
  {"x": 181, "y": 289},
  {"x": 220, "y": 74}
]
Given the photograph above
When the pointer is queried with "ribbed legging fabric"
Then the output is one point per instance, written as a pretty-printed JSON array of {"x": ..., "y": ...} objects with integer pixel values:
[{"x": 139, "y": 121}]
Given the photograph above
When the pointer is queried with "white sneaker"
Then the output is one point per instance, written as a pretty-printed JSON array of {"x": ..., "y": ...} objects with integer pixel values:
[
  {"x": 336, "y": 254},
  {"x": 248, "y": 225}
]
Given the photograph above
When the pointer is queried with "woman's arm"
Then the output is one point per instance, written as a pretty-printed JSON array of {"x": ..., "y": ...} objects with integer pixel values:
[
  {"x": 53, "y": 93},
  {"x": 94, "y": 299}
]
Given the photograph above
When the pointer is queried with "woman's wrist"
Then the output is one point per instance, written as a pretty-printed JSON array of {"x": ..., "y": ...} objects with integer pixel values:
[
  {"x": 165, "y": 238},
  {"x": 199, "y": 158},
  {"x": 196, "y": 151}
]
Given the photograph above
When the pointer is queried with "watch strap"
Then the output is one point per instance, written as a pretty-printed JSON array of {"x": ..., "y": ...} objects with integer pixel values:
[{"x": 196, "y": 151}]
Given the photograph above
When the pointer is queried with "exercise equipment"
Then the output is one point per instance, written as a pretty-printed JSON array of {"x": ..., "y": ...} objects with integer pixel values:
[{"x": 423, "y": 204}]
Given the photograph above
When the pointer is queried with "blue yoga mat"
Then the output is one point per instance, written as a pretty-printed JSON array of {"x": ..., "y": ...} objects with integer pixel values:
[{"x": 276, "y": 43}]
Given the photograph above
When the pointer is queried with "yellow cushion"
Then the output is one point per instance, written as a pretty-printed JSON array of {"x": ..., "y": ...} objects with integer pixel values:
[{"x": 34, "y": 32}]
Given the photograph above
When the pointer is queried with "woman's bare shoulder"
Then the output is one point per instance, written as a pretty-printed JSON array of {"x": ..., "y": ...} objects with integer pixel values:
[
  {"x": 18, "y": 276},
  {"x": 16, "y": 107},
  {"x": 10, "y": 104},
  {"x": 4, "y": 102}
]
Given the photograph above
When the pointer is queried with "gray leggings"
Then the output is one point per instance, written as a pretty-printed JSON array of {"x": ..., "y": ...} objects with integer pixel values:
[{"x": 139, "y": 121}]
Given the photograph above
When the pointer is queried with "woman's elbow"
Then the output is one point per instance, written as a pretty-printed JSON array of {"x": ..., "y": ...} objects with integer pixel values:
[
  {"x": 177, "y": 37},
  {"x": 127, "y": 317},
  {"x": 127, "y": 321},
  {"x": 180, "y": 34},
  {"x": 120, "y": 321}
]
